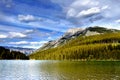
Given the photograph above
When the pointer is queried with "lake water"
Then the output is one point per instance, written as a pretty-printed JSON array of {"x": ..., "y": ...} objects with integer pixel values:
[{"x": 58, "y": 70}]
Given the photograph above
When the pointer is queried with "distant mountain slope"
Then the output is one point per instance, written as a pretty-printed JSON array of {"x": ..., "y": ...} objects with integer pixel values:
[
  {"x": 7, "y": 54},
  {"x": 104, "y": 45},
  {"x": 25, "y": 51},
  {"x": 75, "y": 32}
]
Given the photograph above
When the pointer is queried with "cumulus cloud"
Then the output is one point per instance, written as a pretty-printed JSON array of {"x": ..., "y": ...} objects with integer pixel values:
[
  {"x": 19, "y": 43},
  {"x": 117, "y": 21},
  {"x": 91, "y": 11},
  {"x": 3, "y": 36},
  {"x": 50, "y": 38},
  {"x": 17, "y": 35},
  {"x": 71, "y": 13},
  {"x": 14, "y": 35},
  {"x": 37, "y": 43},
  {"x": 28, "y": 18},
  {"x": 27, "y": 42},
  {"x": 88, "y": 12},
  {"x": 42, "y": 22},
  {"x": 29, "y": 31}
]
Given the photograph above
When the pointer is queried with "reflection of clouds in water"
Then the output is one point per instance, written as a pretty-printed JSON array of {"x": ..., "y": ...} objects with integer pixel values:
[{"x": 58, "y": 70}]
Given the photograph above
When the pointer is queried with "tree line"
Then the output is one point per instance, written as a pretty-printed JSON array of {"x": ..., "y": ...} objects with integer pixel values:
[
  {"x": 98, "y": 47},
  {"x": 7, "y": 54}
]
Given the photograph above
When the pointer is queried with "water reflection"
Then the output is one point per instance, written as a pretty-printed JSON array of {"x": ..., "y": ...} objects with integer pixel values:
[{"x": 58, "y": 70}]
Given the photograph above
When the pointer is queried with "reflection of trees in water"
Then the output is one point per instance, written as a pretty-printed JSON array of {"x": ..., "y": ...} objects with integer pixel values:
[{"x": 73, "y": 70}]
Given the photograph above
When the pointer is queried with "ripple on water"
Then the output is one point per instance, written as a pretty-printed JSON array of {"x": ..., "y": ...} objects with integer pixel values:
[{"x": 58, "y": 70}]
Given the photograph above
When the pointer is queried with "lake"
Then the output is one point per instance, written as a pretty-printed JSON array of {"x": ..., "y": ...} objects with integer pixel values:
[{"x": 59, "y": 70}]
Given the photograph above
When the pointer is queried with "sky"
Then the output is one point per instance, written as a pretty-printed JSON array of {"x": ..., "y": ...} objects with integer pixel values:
[{"x": 31, "y": 23}]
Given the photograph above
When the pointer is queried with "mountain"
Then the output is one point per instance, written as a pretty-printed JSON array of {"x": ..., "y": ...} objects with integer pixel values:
[
  {"x": 7, "y": 54},
  {"x": 93, "y": 43},
  {"x": 26, "y": 51},
  {"x": 75, "y": 32}
]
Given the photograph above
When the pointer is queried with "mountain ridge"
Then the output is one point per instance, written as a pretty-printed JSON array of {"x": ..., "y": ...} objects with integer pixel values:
[
  {"x": 26, "y": 51},
  {"x": 102, "y": 46},
  {"x": 75, "y": 32}
]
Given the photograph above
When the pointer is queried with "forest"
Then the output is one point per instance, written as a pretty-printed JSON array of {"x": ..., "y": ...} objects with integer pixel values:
[
  {"x": 97, "y": 47},
  {"x": 7, "y": 54}
]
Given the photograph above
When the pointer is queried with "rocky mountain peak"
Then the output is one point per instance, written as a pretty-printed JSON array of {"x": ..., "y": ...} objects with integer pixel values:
[{"x": 75, "y": 32}]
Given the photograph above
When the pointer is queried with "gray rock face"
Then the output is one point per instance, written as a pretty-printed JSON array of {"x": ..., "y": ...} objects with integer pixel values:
[
  {"x": 75, "y": 32},
  {"x": 90, "y": 33},
  {"x": 72, "y": 32}
]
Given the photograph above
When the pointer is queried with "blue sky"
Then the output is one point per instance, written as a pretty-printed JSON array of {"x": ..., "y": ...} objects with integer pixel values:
[{"x": 31, "y": 23}]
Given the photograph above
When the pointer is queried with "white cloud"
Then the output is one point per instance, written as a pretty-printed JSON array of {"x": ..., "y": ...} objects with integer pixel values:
[
  {"x": 3, "y": 36},
  {"x": 51, "y": 25},
  {"x": 17, "y": 35},
  {"x": 28, "y": 44},
  {"x": 79, "y": 7},
  {"x": 29, "y": 31},
  {"x": 91, "y": 11},
  {"x": 37, "y": 43},
  {"x": 117, "y": 21},
  {"x": 87, "y": 12},
  {"x": 71, "y": 13},
  {"x": 19, "y": 43},
  {"x": 105, "y": 7},
  {"x": 78, "y": 3},
  {"x": 34, "y": 47},
  {"x": 34, "y": 22},
  {"x": 26, "y": 18},
  {"x": 49, "y": 38},
  {"x": 12, "y": 32}
]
